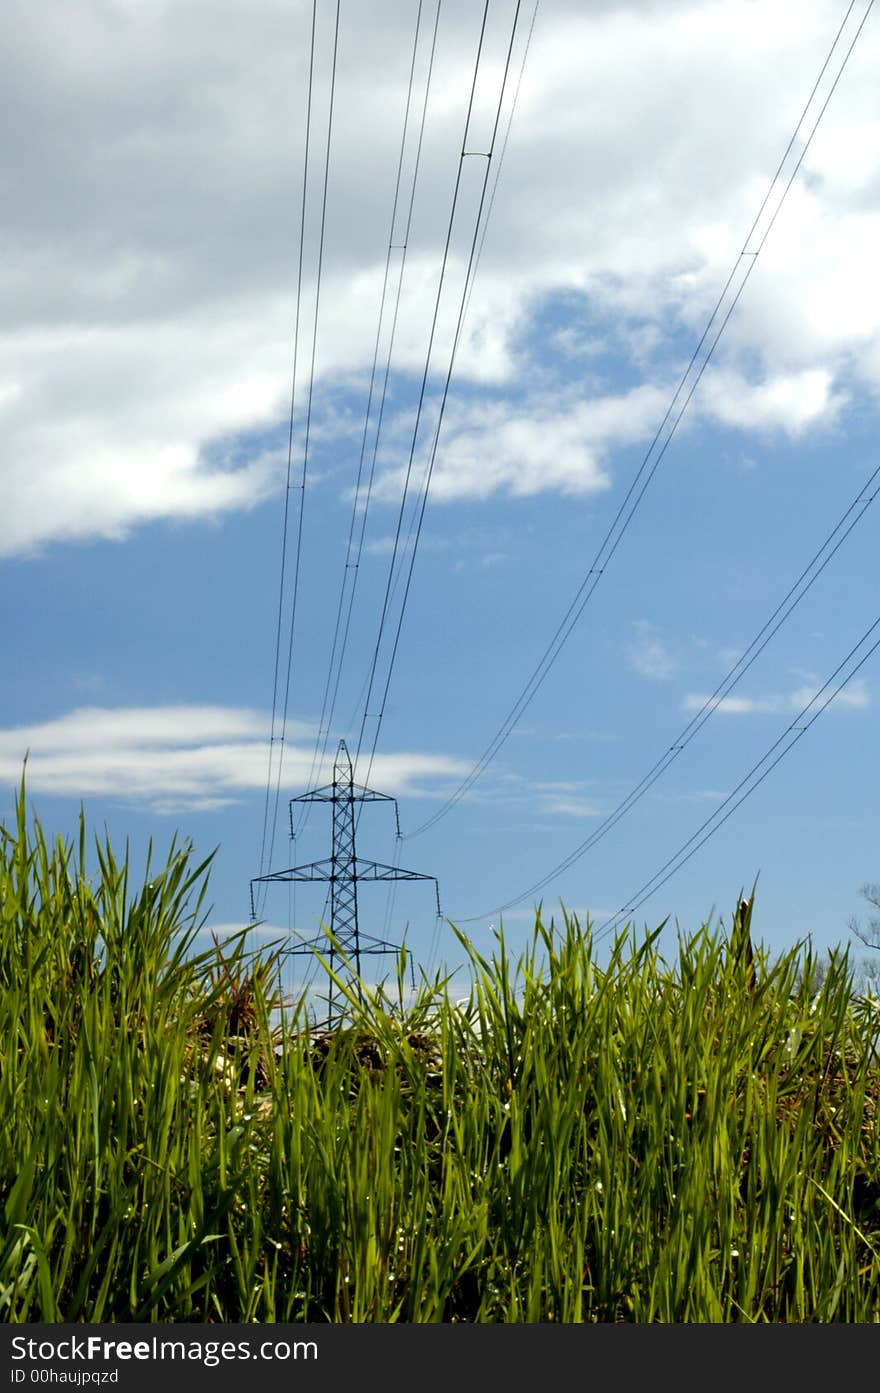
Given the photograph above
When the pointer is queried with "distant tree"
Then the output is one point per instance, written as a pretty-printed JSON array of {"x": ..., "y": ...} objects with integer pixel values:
[
  {"x": 869, "y": 977},
  {"x": 869, "y": 933},
  {"x": 818, "y": 971},
  {"x": 865, "y": 973}
]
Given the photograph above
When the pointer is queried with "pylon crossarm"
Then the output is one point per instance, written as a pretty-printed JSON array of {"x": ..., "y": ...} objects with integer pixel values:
[
  {"x": 359, "y": 792},
  {"x": 371, "y": 944},
  {"x": 377, "y": 870},
  {"x": 313, "y": 870},
  {"x": 315, "y": 795}
]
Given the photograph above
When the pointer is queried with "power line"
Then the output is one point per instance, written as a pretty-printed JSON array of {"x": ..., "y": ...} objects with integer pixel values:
[
  {"x": 783, "y": 610},
  {"x": 310, "y": 395},
  {"x": 394, "y": 576},
  {"x": 616, "y": 531},
  {"x": 433, "y": 453},
  {"x": 504, "y": 144},
  {"x": 470, "y": 279},
  {"x": 355, "y": 547},
  {"x": 469, "y": 283},
  {"x": 796, "y": 730},
  {"x": 422, "y": 391},
  {"x": 284, "y": 531},
  {"x": 299, "y": 534}
]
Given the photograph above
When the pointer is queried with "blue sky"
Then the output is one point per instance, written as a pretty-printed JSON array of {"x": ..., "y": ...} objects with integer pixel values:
[{"x": 149, "y": 290}]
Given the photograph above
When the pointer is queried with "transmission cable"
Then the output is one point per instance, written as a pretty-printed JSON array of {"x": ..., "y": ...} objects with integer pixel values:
[
  {"x": 284, "y": 533},
  {"x": 502, "y": 154},
  {"x": 796, "y": 730},
  {"x": 469, "y": 285},
  {"x": 355, "y": 547},
  {"x": 396, "y": 544},
  {"x": 772, "y": 626},
  {"x": 611, "y": 541},
  {"x": 379, "y": 716},
  {"x": 302, "y": 486}
]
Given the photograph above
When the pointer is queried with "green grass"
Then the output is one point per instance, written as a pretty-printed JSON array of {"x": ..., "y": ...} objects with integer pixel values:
[{"x": 634, "y": 1140}]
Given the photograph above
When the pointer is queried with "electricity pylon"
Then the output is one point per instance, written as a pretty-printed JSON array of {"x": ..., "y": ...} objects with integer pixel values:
[{"x": 344, "y": 869}]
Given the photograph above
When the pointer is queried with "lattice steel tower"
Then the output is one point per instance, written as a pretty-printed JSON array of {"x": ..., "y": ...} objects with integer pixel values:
[{"x": 344, "y": 869}]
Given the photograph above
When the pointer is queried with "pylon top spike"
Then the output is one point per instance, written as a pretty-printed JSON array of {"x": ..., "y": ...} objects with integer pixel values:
[{"x": 343, "y": 762}]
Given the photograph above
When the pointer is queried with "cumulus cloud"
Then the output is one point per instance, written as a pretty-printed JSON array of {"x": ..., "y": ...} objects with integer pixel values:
[
  {"x": 183, "y": 758},
  {"x": 109, "y": 426},
  {"x": 790, "y": 402},
  {"x": 151, "y": 220},
  {"x": 554, "y": 443}
]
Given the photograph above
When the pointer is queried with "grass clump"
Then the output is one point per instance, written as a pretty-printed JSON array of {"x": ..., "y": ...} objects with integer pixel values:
[{"x": 578, "y": 1141}]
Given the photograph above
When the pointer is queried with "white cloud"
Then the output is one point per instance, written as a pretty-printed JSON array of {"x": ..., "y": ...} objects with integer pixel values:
[
  {"x": 384, "y": 546},
  {"x": 576, "y": 343},
  {"x": 554, "y": 443},
  {"x": 541, "y": 797},
  {"x": 87, "y": 453},
  {"x": 854, "y": 697},
  {"x": 182, "y": 758},
  {"x": 151, "y": 216},
  {"x": 726, "y": 657},
  {"x": 649, "y": 656},
  {"x": 697, "y": 795},
  {"x": 790, "y": 402},
  {"x": 102, "y": 728},
  {"x": 652, "y": 660},
  {"x": 737, "y": 706},
  {"x": 550, "y": 805},
  {"x": 257, "y": 934}
]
